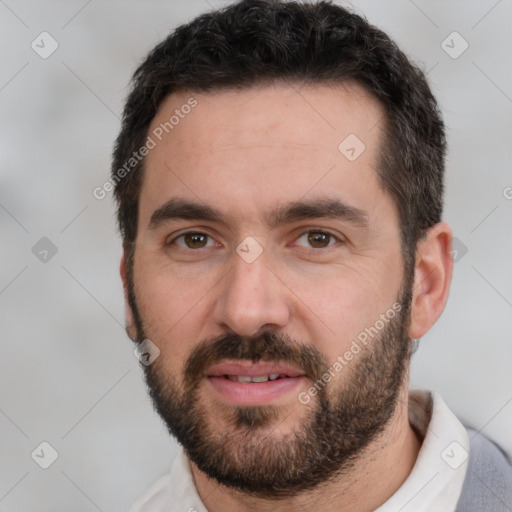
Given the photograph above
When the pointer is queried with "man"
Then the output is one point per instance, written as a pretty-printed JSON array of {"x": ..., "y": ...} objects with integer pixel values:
[{"x": 279, "y": 179}]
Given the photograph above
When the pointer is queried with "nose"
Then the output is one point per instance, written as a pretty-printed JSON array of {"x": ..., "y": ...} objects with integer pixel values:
[{"x": 251, "y": 298}]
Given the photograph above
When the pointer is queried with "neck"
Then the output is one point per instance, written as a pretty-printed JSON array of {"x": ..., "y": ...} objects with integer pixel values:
[{"x": 363, "y": 488}]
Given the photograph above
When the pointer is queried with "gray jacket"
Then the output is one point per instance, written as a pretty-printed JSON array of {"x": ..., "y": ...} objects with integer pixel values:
[{"x": 488, "y": 483}]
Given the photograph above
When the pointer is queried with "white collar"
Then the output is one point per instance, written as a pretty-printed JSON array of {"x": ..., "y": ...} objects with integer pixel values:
[{"x": 436, "y": 480}]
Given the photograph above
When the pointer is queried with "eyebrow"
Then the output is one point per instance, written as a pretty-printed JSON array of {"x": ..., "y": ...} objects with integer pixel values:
[{"x": 331, "y": 208}]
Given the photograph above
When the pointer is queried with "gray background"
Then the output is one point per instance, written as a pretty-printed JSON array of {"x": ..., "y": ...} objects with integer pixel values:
[{"x": 67, "y": 372}]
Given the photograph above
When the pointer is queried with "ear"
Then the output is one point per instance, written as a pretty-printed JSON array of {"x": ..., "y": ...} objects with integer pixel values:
[
  {"x": 131, "y": 330},
  {"x": 432, "y": 279}
]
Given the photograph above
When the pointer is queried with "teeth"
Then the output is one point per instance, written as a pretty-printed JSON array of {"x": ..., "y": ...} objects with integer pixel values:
[
  {"x": 259, "y": 378},
  {"x": 240, "y": 378},
  {"x": 263, "y": 378}
]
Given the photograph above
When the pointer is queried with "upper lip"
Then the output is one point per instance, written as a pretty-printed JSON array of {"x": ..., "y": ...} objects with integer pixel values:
[{"x": 250, "y": 369}]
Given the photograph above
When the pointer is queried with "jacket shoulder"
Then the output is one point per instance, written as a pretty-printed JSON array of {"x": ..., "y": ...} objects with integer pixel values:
[{"x": 488, "y": 483}]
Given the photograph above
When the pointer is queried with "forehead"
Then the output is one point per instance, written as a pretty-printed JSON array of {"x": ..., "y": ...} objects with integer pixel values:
[
  {"x": 317, "y": 116},
  {"x": 263, "y": 146}
]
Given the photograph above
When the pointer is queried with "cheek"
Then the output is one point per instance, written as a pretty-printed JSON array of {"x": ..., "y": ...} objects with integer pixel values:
[
  {"x": 172, "y": 307},
  {"x": 343, "y": 304},
  {"x": 169, "y": 290}
]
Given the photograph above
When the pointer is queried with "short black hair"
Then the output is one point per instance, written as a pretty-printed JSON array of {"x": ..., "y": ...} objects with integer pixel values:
[{"x": 256, "y": 42}]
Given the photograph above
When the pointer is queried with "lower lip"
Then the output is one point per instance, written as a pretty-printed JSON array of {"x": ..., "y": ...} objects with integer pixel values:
[{"x": 254, "y": 393}]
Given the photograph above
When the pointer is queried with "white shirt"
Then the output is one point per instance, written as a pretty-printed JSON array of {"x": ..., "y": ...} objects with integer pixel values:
[{"x": 434, "y": 484}]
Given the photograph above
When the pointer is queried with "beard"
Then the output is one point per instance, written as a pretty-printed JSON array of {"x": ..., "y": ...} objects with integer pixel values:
[{"x": 239, "y": 446}]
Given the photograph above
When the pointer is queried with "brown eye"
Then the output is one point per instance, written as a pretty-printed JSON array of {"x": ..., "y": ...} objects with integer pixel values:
[
  {"x": 318, "y": 239},
  {"x": 192, "y": 244},
  {"x": 195, "y": 240}
]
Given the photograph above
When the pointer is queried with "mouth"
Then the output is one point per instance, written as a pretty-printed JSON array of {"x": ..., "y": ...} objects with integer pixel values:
[
  {"x": 247, "y": 383},
  {"x": 258, "y": 378}
]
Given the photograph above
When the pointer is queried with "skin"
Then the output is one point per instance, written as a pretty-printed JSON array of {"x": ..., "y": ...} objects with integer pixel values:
[{"x": 245, "y": 153}]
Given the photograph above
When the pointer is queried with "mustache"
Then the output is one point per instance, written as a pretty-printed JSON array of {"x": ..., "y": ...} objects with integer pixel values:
[{"x": 267, "y": 347}]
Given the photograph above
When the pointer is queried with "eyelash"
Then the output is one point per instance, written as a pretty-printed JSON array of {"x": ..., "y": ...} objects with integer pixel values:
[{"x": 309, "y": 231}]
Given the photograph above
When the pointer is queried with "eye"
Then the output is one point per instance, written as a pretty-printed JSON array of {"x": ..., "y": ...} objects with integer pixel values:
[
  {"x": 193, "y": 240},
  {"x": 317, "y": 239}
]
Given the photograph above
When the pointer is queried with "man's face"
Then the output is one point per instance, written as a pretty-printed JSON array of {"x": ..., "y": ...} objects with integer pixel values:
[{"x": 265, "y": 250}]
